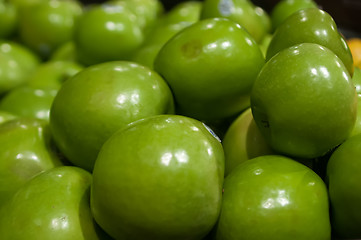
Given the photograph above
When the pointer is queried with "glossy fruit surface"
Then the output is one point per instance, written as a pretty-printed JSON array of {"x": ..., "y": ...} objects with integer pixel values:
[
  {"x": 309, "y": 107},
  {"x": 311, "y": 25},
  {"x": 6, "y": 116},
  {"x": 214, "y": 64},
  {"x": 343, "y": 177},
  {"x": 243, "y": 141},
  {"x": 172, "y": 162},
  {"x": 99, "y": 100},
  {"x": 29, "y": 102},
  {"x": 53, "y": 205},
  {"x": 356, "y": 79},
  {"x": 25, "y": 152},
  {"x": 107, "y": 32},
  {"x": 274, "y": 198}
]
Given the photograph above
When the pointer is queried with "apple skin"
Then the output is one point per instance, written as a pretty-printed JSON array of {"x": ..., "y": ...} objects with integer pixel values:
[
  {"x": 189, "y": 11},
  {"x": 244, "y": 12},
  {"x": 11, "y": 74},
  {"x": 94, "y": 103},
  {"x": 65, "y": 52},
  {"x": 107, "y": 32},
  {"x": 26, "y": 151},
  {"x": 285, "y": 8},
  {"x": 44, "y": 26},
  {"x": 52, "y": 205},
  {"x": 343, "y": 180},
  {"x": 243, "y": 141},
  {"x": 304, "y": 101},
  {"x": 172, "y": 162},
  {"x": 8, "y": 19},
  {"x": 214, "y": 64},
  {"x": 273, "y": 197},
  {"x": 311, "y": 25},
  {"x": 29, "y": 102},
  {"x": 6, "y": 116},
  {"x": 52, "y": 74},
  {"x": 356, "y": 79}
]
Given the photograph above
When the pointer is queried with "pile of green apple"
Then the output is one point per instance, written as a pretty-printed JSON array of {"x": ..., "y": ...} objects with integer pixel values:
[{"x": 211, "y": 120}]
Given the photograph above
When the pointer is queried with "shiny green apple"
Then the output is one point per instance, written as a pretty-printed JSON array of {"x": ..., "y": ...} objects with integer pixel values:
[
  {"x": 311, "y": 25},
  {"x": 274, "y": 198},
  {"x": 213, "y": 65},
  {"x": 26, "y": 150},
  {"x": 285, "y": 8},
  {"x": 159, "y": 178},
  {"x": 29, "y": 102},
  {"x": 99, "y": 100},
  {"x": 107, "y": 32},
  {"x": 44, "y": 26},
  {"x": 52, "y": 205},
  {"x": 243, "y": 141},
  {"x": 304, "y": 101},
  {"x": 253, "y": 18},
  {"x": 343, "y": 179}
]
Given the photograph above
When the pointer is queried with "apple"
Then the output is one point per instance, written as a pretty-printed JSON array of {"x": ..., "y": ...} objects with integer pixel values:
[
  {"x": 44, "y": 26},
  {"x": 107, "y": 32},
  {"x": 52, "y": 74},
  {"x": 6, "y": 116},
  {"x": 285, "y": 8},
  {"x": 159, "y": 178},
  {"x": 188, "y": 11},
  {"x": 243, "y": 141},
  {"x": 93, "y": 104},
  {"x": 52, "y": 205},
  {"x": 8, "y": 19},
  {"x": 311, "y": 25},
  {"x": 29, "y": 102},
  {"x": 343, "y": 179},
  {"x": 304, "y": 101},
  {"x": 356, "y": 79},
  {"x": 253, "y": 18},
  {"x": 25, "y": 151},
  {"x": 273, "y": 197},
  {"x": 214, "y": 63},
  {"x": 65, "y": 52}
]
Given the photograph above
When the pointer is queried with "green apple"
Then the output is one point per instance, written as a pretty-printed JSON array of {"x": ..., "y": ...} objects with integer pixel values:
[
  {"x": 65, "y": 52},
  {"x": 304, "y": 101},
  {"x": 253, "y": 18},
  {"x": 6, "y": 116},
  {"x": 243, "y": 141},
  {"x": 274, "y": 198},
  {"x": 11, "y": 74},
  {"x": 107, "y": 32},
  {"x": 29, "y": 102},
  {"x": 99, "y": 100},
  {"x": 343, "y": 179},
  {"x": 214, "y": 63},
  {"x": 44, "y": 26},
  {"x": 52, "y": 205},
  {"x": 159, "y": 178},
  {"x": 25, "y": 151},
  {"x": 8, "y": 19},
  {"x": 356, "y": 79},
  {"x": 311, "y": 25},
  {"x": 188, "y": 11},
  {"x": 285, "y": 8},
  {"x": 52, "y": 74}
]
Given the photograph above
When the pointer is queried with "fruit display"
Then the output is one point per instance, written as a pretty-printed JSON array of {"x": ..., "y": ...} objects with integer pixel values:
[{"x": 178, "y": 120}]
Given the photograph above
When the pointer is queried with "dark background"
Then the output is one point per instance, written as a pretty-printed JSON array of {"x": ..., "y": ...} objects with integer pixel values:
[{"x": 346, "y": 13}]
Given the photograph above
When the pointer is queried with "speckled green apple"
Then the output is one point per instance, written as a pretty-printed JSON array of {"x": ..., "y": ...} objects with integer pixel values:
[
  {"x": 25, "y": 152},
  {"x": 44, "y": 26},
  {"x": 343, "y": 174},
  {"x": 304, "y": 101},
  {"x": 243, "y": 141},
  {"x": 99, "y": 100},
  {"x": 171, "y": 168},
  {"x": 29, "y": 102},
  {"x": 274, "y": 198},
  {"x": 214, "y": 64},
  {"x": 52, "y": 74},
  {"x": 311, "y": 25},
  {"x": 285, "y": 8},
  {"x": 107, "y": 32},
  {"x": 244, "y": 12},
  {"x": 52, "y": 205}
]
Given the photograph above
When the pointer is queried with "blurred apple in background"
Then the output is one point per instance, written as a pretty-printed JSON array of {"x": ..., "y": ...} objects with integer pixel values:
[
  {"x": 159, "y": 178},
  {"x": 8, "y": 19},
  {"x": 304, "y": 101},
  {"x": 99, "y": 100}
]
